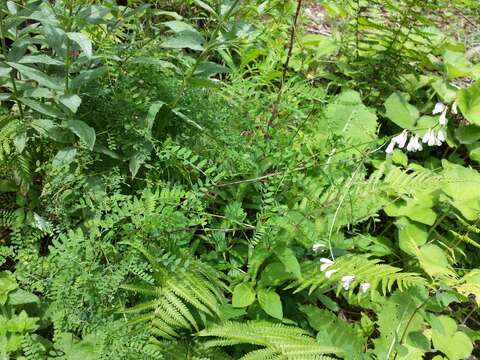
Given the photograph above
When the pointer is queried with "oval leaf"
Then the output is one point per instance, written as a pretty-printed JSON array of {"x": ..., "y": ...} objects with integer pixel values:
[
  {"x": 85, "y": 132},
  {"x": 270, "y": 303},
  {"x": 243, "y": 295}
]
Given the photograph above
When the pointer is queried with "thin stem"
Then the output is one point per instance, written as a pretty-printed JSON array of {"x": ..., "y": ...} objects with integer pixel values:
[
  {"x": 402, "y": 338},
  {"x": 291, "y": 42},
  {"x": 12, "y": 76},
  {"x": 69, "y": 45},
  {"x": 208, "y": 46}
]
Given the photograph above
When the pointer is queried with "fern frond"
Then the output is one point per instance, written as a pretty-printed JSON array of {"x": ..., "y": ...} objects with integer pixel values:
[
  {"x": 179, "y": 297},
  {"x": 279, "y": 341},
  {"x": 380, "y": 276}
]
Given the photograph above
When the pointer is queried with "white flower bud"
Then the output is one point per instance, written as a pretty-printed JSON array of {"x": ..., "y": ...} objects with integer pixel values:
[
  {"x": 347, "y": 280},
  {"x": 439, "y": 107}
]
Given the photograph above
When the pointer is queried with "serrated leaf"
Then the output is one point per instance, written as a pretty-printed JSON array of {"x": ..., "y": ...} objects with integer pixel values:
[
  {"x": 243, "y": 295},
  {"x": 289, "y": 260},
  {"x": 84, "y": 132},
  {"x": 83, "y": 41},
  {"x": 271, "y": 303}
]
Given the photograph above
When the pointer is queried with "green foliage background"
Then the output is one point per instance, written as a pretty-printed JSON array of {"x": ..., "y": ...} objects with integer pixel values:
[{"x": 207, "y": 179}]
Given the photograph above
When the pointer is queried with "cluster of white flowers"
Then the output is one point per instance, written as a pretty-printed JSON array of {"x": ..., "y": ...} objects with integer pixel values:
[
  {"x": 317, "y": 246},
  {"x": 345, "y": 280},
  {"x": 432, "y": 137}
]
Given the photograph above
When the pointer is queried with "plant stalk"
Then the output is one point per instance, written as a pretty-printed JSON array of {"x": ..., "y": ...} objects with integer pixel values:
[
  {"x": 12, "y": 76},
  {"x": 291, "y": 42}
]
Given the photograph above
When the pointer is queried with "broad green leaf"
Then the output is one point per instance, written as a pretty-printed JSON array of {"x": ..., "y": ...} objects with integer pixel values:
[
  {"x": 455, "y": 344},
  {"x": 41, "y": 223},
  {"x": 83, "y": 41},
  {"x": 204, "y": 6},
  {"x": 152, "y": 61},
  {"x": 36, "y": 75},
  {"x": 462, "y": 185},
  {"x": 470, "y": 284},
  {"x": 86, "y": 76},
  {"x": 51, "y": 130},
  {"x": 349, "y": 118},
  {"x": 433, "y": 261},
  {"x": 134, "y": 164},
  {"x": 209, "y": 68},
  {"x": 457, "y": 64},
  {"x": 151, "y": 115},
  {"x": 271, "y": 303},
  {"x": 7, "y": 284},
  {"x": 274, "y": 274},
  {"x": 474, "y": 152},
  {"x": 411, "y": 235},
  {"x": 40, "y": 59},
  {"x": 20, "y": 297},
  {"x": 42, "y": 108},
  {"x": 289, "y": 260},
  {"x": 20, "y": 141},
  {"x": 469, "y": 102},
  {"x": 416, "y": 209},
  {"x": 12, "y": 7},
  {"x": 447, "y": 92},
  {"x": 179, "y": 26},
  {"x": 93, "y": 14},
  {"x": 186, "y": 119},
  {"x": 64, "y": 157},
  {"x": 85, "y": 132},
  {"x": 8, "y": 186},
  {"x": 5, "y": 71},
  {"x": 72, "y": 102},
  {"x": 243, "y": 295},
  {"x": 467, "y": 134},
  {"x": 400, "y": 111},
  {"x": 22, "y": 323},
  {"x": 229, "y": 312},
  {"x": 185, "y": 40}
]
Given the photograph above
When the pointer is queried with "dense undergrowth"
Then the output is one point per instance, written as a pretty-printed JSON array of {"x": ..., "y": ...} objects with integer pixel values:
[{"x": 203, "y": 179}]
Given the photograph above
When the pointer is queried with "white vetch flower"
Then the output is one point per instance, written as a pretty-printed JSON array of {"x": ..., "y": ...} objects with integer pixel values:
[
  {"x": 390, "y": 147},
  {"x": 329, "y": 273},
  {"x": 401, "y": 139},
  {"x": 414, "y": 144},
  {"x": 364, "y": 286},
  {"x": 429, "y": 138},
  {"x": 441, "y": 135},
  {"x": 442, "y": 120},
  {"x": 326, "y": 263},
  {"x": 317, "y": 246},
  {"x": 347, "y": 280},
  {"x": 454, "y": 108},
  {"x": 439, "y": 107}
]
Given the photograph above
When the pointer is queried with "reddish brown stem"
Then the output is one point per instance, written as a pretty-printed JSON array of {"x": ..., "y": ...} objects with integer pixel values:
[{"x": 291, "y": 42}]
